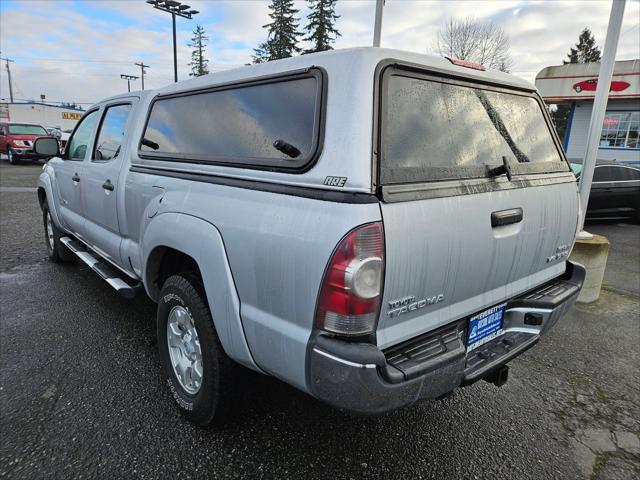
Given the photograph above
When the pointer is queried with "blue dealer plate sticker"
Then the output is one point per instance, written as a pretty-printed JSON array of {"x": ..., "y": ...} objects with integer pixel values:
[{"x": 485, "y": 326}]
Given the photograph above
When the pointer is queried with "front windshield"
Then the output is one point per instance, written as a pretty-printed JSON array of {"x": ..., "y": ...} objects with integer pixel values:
[{"x": 18, "y": 129}]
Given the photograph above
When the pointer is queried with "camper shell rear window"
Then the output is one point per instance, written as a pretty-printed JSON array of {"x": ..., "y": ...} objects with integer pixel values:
[
  {"x": 270, "y": 123},
  {"x": 435, "y": 128}
]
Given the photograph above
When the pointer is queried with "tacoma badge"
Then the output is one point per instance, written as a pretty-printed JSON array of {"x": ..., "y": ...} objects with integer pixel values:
[{"x": 409, "y": 304}]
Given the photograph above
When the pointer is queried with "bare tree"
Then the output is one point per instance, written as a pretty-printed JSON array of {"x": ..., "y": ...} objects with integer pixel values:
[{"x": 479, "y": 42}]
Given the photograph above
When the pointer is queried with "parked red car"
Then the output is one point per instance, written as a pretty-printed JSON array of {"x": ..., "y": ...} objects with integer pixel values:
[
  {"x": 16, "y": 140},
  {"x": 592, "y": 84}
]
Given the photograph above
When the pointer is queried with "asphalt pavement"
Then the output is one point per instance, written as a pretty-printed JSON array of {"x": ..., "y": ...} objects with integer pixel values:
[{"x": 81, "y": 395}]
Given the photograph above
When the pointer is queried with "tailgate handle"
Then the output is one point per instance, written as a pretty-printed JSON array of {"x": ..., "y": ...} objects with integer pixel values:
[{"x": 506, "y": 217}]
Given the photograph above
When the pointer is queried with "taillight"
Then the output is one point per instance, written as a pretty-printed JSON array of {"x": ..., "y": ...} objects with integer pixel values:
[{"x": 350, "y": 293}]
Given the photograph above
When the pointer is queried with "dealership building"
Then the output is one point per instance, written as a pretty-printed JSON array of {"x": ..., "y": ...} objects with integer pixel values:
[
  {"x": 41, "y": 114},
  {"x": 575, "y": 84}
]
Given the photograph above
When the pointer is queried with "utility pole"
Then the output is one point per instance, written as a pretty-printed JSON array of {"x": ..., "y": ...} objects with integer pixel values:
[
  {"x": 175, "y": 8},
  {"x": 142, "y": 71},
  {"x": 128, "y": 78},
  {"x": 599, "y": 106},
  {"x": 377, "y": 29},
  {"x": 9, "y": 77}
]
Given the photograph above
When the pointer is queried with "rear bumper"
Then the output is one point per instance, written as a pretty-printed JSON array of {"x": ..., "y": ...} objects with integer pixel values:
[{"x": 363, "y": 379}]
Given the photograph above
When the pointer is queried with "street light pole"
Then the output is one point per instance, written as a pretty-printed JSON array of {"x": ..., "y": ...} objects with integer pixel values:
[
  {"x": 377, "y": 29},
  {"x": 599, "y": 107},
  {"x": 175, "y": 51},
  {"x": 128, "y": 78},
  {"x": 175, "y": 8}
]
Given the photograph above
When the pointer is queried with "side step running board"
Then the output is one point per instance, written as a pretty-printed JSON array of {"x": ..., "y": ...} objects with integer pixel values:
[{"x": 108, "y": 272}]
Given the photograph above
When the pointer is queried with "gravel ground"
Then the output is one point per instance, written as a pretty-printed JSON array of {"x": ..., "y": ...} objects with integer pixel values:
[{"x": 81, "y": 395}]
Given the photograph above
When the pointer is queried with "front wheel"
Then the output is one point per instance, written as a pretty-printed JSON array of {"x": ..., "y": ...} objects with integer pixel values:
[
  {"x": 12, "y": 156},
  {"x": 578, "y": 89},
  {"x": 195, "y": 365},
  {"x": 56, "y": 250}
]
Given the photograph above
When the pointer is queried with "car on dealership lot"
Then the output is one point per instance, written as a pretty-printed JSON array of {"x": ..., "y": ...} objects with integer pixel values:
[
  {"x": 16, "y": 140},
  {"x": 61, "y": 135},
  {"x": 615, "y": 190},
  {"x": 371, "y": 246}
]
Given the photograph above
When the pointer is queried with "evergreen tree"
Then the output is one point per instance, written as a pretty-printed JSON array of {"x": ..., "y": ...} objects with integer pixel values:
[
  {"x": 283, "y": 33},
  {"x": 586, "y": 50},
  {"x": 199, "y": 64},
  {"x": 560, "y": 118},
  {"x": 322, "y": 18}
]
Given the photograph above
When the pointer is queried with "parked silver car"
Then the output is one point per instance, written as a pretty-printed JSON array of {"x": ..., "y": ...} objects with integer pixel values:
[{"x": 371, "y": 226}]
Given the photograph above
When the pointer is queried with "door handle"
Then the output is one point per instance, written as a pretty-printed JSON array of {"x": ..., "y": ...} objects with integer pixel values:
[
  {"x": 75, "y": 177},
  {"x": 506, "y": 217},
  {"x": 108, "y": 185}
]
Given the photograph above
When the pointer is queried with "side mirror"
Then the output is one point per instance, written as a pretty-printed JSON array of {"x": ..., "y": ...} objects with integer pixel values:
[{"x": 46, "y": 147}]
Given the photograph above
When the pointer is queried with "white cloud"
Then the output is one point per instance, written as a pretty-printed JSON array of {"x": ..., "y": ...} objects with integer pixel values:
[{"x": 50, "y": 52}]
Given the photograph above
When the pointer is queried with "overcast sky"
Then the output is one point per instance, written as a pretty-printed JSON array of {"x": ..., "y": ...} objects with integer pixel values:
[{"x": 75, "y": 51}]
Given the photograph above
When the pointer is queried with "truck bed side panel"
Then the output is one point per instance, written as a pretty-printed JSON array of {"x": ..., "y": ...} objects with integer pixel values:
[{"x": 278, "y": 246}]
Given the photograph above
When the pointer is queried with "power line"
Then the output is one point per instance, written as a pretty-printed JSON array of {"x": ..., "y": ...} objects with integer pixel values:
[
  {"x": 28, "y": 101},
  {"x": 77, "y": 60},
  {"x": 115, "y": 62}
]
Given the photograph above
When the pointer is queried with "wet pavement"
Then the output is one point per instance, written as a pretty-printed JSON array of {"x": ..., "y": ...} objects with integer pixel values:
[{"x": 81, "y": 395}]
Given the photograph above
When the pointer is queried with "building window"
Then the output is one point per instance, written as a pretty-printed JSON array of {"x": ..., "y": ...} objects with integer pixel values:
[{"x": 620, "y": 130}]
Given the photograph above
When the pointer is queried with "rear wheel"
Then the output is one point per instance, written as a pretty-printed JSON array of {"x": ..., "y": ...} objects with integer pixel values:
[
  {"x": 197, "y": 370},
  {"x": 55, "y": 248}
]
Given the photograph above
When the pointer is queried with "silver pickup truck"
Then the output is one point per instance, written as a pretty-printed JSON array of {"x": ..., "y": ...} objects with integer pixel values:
[{"x": 371, "y": 226}]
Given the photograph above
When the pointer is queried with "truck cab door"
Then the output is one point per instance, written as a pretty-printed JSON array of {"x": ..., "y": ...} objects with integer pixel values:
[
  {"x": 104, "y": 180},
  {"x": 69, "y": 172}
]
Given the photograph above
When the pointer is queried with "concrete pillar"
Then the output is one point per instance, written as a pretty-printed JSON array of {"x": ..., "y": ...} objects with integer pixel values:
[{"x": 592, "y": 254}]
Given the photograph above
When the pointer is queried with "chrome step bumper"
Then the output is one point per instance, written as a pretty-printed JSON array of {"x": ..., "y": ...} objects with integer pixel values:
[{"x": 361, "y": 378}]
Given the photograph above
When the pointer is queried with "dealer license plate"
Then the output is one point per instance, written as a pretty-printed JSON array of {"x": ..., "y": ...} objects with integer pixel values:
[{"x": 485, "y": 326}]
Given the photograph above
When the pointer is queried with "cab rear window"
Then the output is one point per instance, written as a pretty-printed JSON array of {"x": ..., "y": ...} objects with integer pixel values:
[
  {"x": 268, "y": 124},
  {"x": 435, "y": 130}
]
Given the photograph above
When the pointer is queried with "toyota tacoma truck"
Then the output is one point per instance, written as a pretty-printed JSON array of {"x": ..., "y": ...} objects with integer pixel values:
[{"x": 371, "y": 226}]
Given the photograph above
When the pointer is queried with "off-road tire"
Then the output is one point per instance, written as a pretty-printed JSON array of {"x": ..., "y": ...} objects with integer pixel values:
[
  {"x": 211, "y": 400},
  {"x": 57, "y": 252}
]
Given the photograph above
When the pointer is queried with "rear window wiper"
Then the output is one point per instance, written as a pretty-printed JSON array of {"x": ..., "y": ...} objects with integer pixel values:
[
  {"x": 504, "y": 169},
  {"x": 286, "y": 148},
  {"x": 500, "y": 127}
]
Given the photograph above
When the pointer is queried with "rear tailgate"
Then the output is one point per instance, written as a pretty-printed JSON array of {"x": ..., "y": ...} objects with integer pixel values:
[{"x": 459, "y": 239}]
